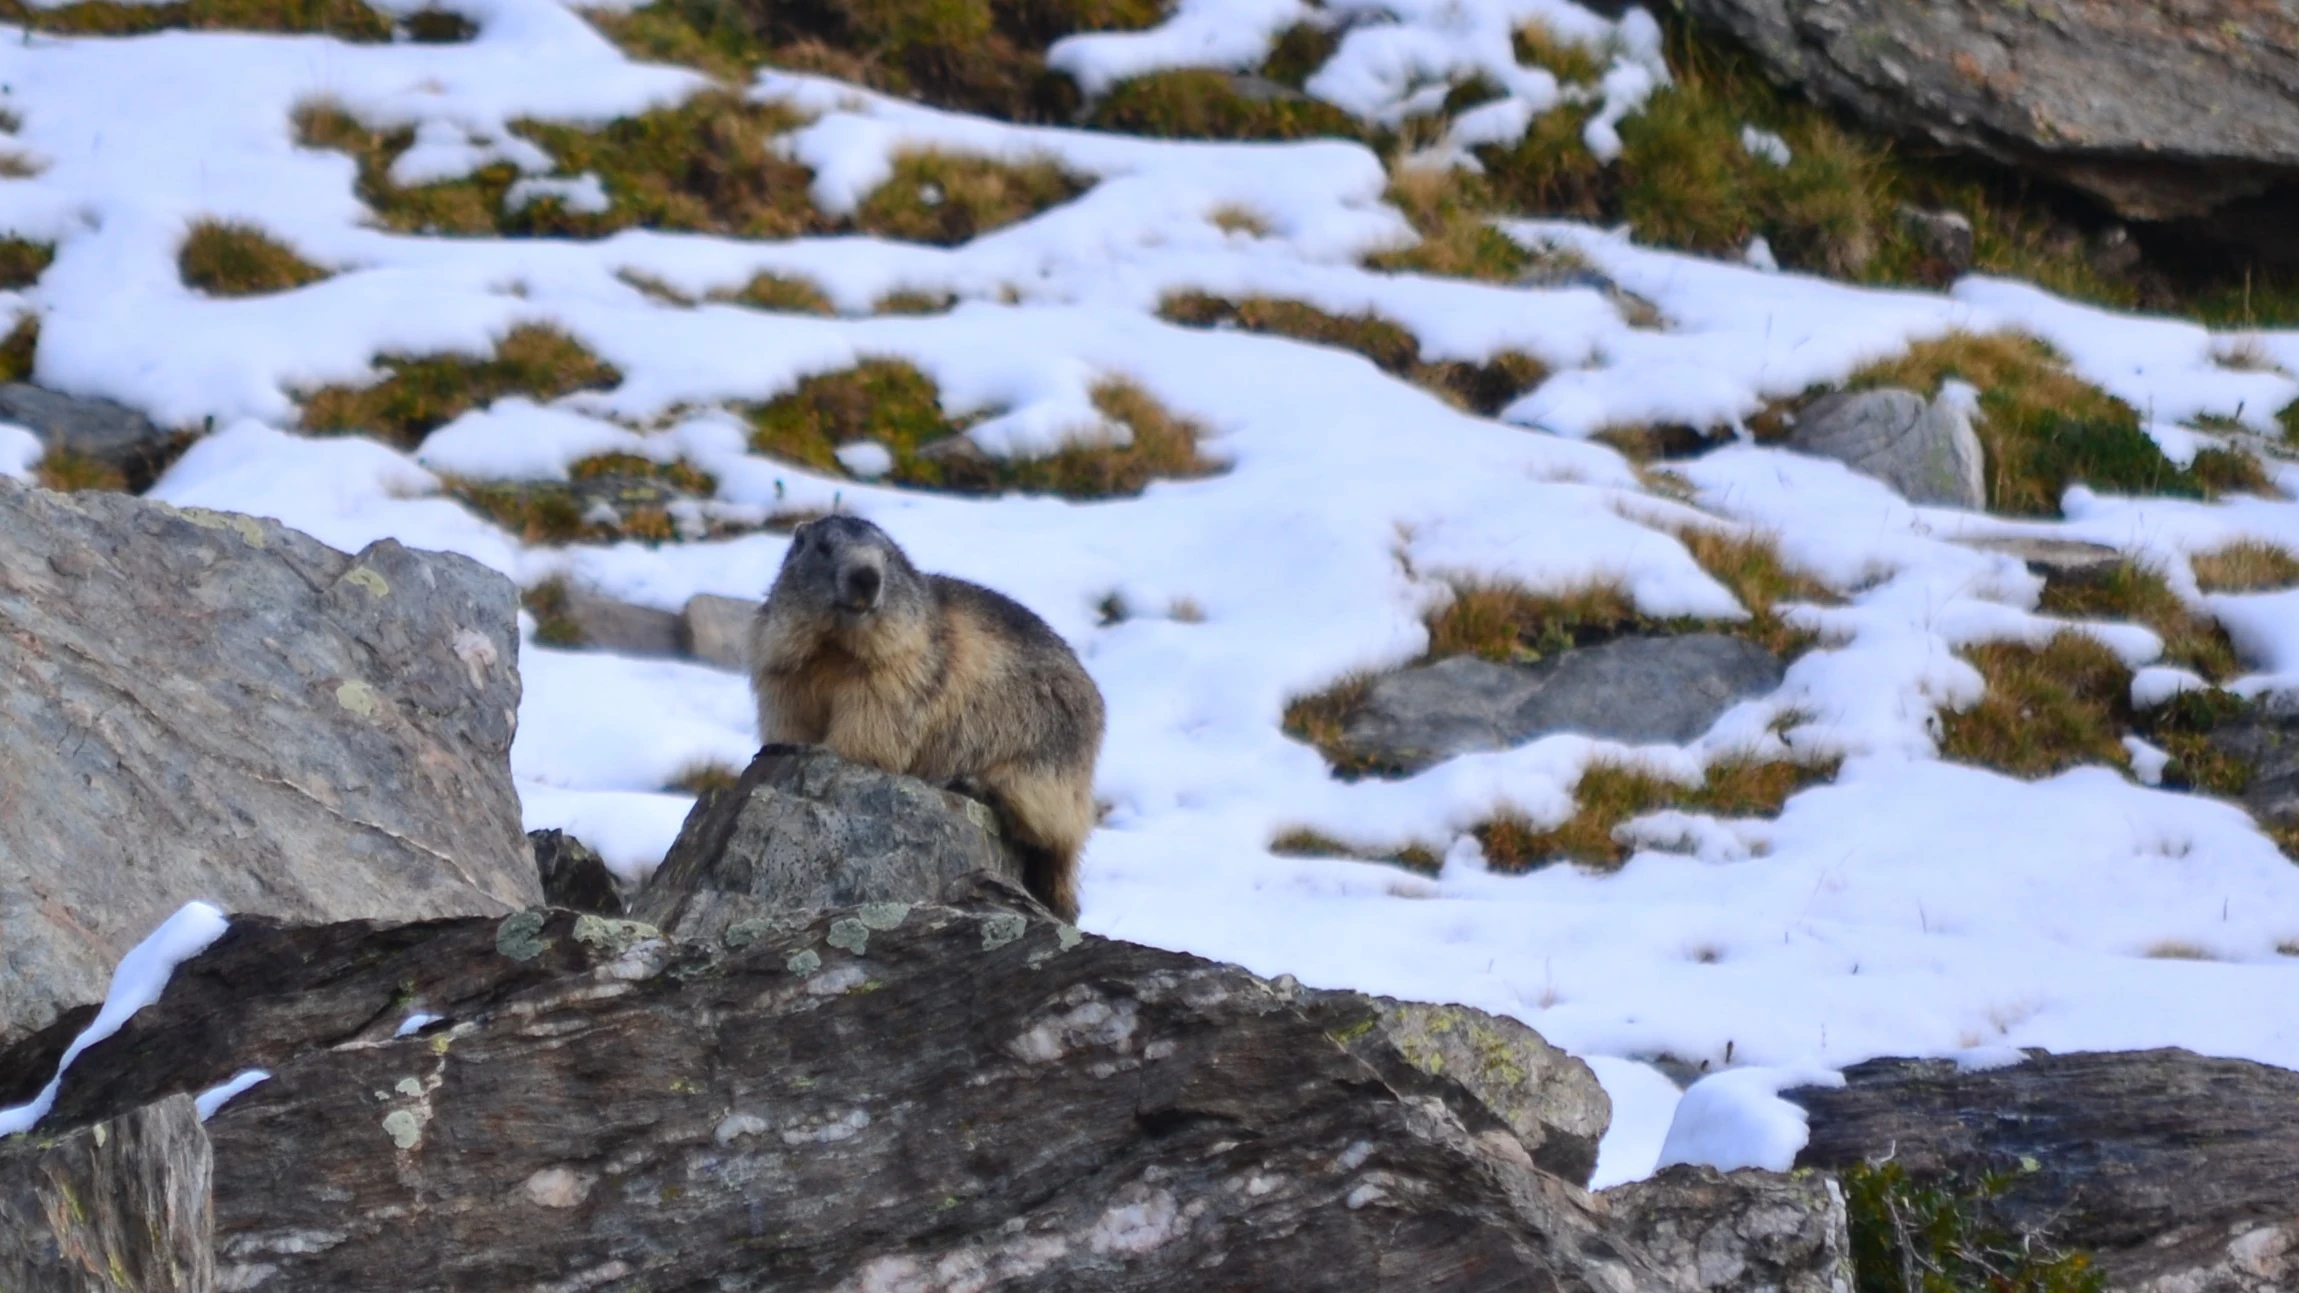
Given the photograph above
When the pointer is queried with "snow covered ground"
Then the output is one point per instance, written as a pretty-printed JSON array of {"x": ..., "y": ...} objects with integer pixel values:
[{"x": 1909, "y": 907}]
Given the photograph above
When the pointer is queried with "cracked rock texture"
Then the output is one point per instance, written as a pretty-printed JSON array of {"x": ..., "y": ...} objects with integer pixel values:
[
  {"x": 203, "y": 705},
  {"x": 121, "y": 1204}
]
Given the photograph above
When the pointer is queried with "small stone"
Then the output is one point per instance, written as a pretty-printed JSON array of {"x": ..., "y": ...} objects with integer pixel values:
[
  {"x": 1946, "y": 235},
  {"x": 620, "y": 627},
  {"x": 1928, "y": 453}
]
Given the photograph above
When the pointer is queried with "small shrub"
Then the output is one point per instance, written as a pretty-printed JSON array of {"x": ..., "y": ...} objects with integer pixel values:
[
  {"x": 227, "y": 258},
  {"x": 23, "y": 261},
  {"x": 2246, "y": 566},
  {"x": 1941, "y": 1237},
  {"x": 2045, "y": 428},
  {"x": 425, "y": 392},
  {"x": 2045, "y": 710},
  {"x": 948, "y": 199}
]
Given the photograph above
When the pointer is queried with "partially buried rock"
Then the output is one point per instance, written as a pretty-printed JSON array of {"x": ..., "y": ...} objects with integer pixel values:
[
  {"x": 610, "y": 625},
  {"x": 2174, "y": 1170},
  {"x": 213, "y": 706},
  {"x": 2263, "y": 738},
  {"x": 803, "y": 830},
  {"x": 1927, "y": 452},
  {"x": 574, "y": 876},
  {"x": 112, "y": 434},
  {"x": 1636, "y": 689}
]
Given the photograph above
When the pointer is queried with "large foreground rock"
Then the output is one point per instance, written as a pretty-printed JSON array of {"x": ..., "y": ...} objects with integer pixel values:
[
  {"x": 200, "y": 705},
  {"x": 2176, "y": 1171},
  {"x": 2162, "y": 111},
  {"x": 115, "y": 1205},
  {"x": 1744, "y": 1230},
  {"x": 1664, "y": 689}
]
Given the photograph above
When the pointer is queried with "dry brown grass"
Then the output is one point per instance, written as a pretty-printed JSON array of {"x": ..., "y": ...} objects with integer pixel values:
[
  {"x": 1308, "y": 843},
  {"x": 1451, "y": 211},
  {"x": 2137, "y": 594},
  {"x": 640, "y": 490},
  {"x": 704, "y": 777},
  {"x": 1610, "y": 794},
  {"x": 782, "y": 293},
  {"x": 1319, "y": 719},
  {"x": 23, "y": 261},
  {"x": 17, "y": 348},
  {"x": 423, "y": 392},
  {"x": 228, "y": 258},
  {"x": 947, "y": 199},
  {"x": 2246, "y": 566},
  {"x": 69, "y": 472},
  {"x": 1483, "y": 389},
  {"x": 2045, "y": 710},
  {"x": 1751, "y": 567},
  {"x": 2044, "y": 428},
  {"x": 554, "y": 626},
  {"x": 1502, "y": 622},
  {"x": 348, "y": 20}
]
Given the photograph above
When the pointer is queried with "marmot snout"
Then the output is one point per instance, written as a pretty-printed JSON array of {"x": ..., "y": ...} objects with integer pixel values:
[{"x": 857, "y": 650}]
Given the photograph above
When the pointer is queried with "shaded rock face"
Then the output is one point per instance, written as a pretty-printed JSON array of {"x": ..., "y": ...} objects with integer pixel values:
[
  {"x": 122, "y": 1204},
  {"x": 1739, "y": 1230},
  {"x": 2176, "y": 1171},
  {"x": 112, "y": 434},
  {"x": 1667, "y": 689},
  {"x": 804, "y": 830},
  {"x": 2265, "y": 738},
  {"x": 201, "y": 705},
  {"x": 574, "y": 876},
  {"x": 1926, "y": 451},
  {"x": 2202, "y": 118}
]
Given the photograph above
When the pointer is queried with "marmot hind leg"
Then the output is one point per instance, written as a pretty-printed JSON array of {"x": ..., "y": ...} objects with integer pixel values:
[{"x": 1047, "y": 819}]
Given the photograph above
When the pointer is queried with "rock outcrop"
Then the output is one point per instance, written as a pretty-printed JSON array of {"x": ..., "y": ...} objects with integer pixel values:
[
  {"x": 2202, "y": 121},
  {"x": 1925, "y": 450},
  {"x": 201, "y": 705},
  {"x": 1712, "y": 1230},
  {"x": 2175, "y": 1171},
  {"x": 121, "y": 1204},
  {"x": 1636, "y": 689}
]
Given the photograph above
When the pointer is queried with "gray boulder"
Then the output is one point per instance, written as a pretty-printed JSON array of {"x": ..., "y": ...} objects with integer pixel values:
[
  {"x": 120, "y": 1204},
  {"x": 717, "y": 630},
  {"x": 112, "y": 434},
  {"x": 1637, "y": 689},
  {"x": 2163, "y": 112},
  {"x": 1927, "y": 452},
  {"x": 804, "y": 830},
  {"x": 202, "y": 705},
  {"x": 620, "y": 627},
  {"x": 1735, "y": 1231},
  {"x": 2263, "y": 738},
  {"x": 2175, "y": 1171}
]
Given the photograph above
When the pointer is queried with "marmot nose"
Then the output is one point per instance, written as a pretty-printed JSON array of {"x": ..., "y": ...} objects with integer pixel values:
[{"x": 862, "y": 587}]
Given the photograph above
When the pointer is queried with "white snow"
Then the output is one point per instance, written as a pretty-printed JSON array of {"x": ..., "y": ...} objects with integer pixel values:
[
  {"x": 138, "y": 981},
  {"x": 1765, "y": 146},
  {"x": 216, "y": 1097},
  {"x": 1908, "y": 906},
  {"x": 20, "y": 451},
  {"x": 1737, "y": 1119}
]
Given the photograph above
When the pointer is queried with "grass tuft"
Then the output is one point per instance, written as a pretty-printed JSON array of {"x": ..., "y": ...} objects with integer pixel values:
[
  {"x": 1484, "y": 389},
  {"x": 708, "y": 776},
  {"x": 1450, "y": 211},
  {"x": 68, "y": 471},
  {"x": 1750, "y": 566},
  {"x": 1320, "y": 718},
  {"x": 2046, "y": 709},
  {"x": 1309, "y": 843},
  {"x": 1610, "y": 794},
  {"x": 948, "y": 199},
  {"x": 422, "y": 393},
  {"x": 784, "y": 294},
  {"x": 228, "y": 258},
  {"x": 1198, "y": 103},
  {"x": 16, "y": 349},
  {"x": 347, "y": 20},
  {"x": 2135, "y": 593},
  {"x": 2044, "y": 428},
  {"x": 23, "y": 261},
  {"x": 1504, "y": 623},
  {"x": 554, "y": 625},
  {"x": 2246, "y": 566}
]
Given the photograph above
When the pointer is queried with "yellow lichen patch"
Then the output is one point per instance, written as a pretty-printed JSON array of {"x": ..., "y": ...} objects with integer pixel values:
[
  {"x": 2246, "y": 566},
  {"x": 2045, "y": 710},
  {"x": 947, "y": 199},
  {"x": 348, "y": 20},
  {"x": 2044, "y": 428},
  {"x": 423, "y": 392},
  {"x": 228, "y": 258},
  {"x": 1483, "y": 388},
  {"x": 2135, "y": 593},
  {"x": 1610, "y": 794}
]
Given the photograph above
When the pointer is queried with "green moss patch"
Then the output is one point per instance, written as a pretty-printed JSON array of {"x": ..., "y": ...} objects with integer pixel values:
[
  {"x": 1481, "y": 388},
  {"x": 234, "y": 259},
  {"x": 2044, "y": 428},
  {"x": 423, "y": 392},
  {"x": 893, "y": 403}
]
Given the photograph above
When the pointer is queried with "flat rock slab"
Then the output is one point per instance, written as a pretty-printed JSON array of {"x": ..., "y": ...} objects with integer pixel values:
[
  {"x": 803, "y": 830},
  {"x": 889, "y": 1096},
  {"x": 2175, "y": 1170},
  {"x": 1641, "y": 690},
  {"x": 212, "y": 706},
  {"x": 1925, "y": 450}
]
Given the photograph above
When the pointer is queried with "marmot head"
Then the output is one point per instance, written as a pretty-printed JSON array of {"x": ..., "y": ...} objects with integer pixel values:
[{"x": 848, "y": 568}]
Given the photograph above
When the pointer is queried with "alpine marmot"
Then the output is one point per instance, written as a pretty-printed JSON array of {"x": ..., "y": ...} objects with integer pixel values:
[{"x": 858, "y": 650}]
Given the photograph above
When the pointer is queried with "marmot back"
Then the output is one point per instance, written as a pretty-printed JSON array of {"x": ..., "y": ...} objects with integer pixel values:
[{"x": 947, "y": 681}]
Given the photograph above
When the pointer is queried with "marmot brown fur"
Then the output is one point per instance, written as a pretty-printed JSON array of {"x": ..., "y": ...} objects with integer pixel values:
[{"x": 947, "y": 681}]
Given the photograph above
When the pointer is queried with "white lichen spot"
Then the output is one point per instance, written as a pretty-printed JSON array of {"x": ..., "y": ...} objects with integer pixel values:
[
  {"x": 558, "y": 1187},
  {"x": 1160, "y": 1049},
  {"x": 804, "y": 961},
  {"x": 735, "y": 1126},
  {"x": 404, "y": 1128},
  {"x": 1353, "y": 1157},
  {"x": 1090, "y": 1022},
  {"x": 850, "y": 934},
  {"x": 1139, "y": 1220},
  {"x": 889, "y": 1275},
  {"x": 1258, "y": 1185},
  {"x": 408, "y": 1086},
  {"x": 838, "y": 982},
  {"x": 478, "y": 654},
  {"x": 1069, "y": 936},
  {"x": 1002, "y": 928},
  {"x": 361, "y": 699},
  {"x": 1366, "y": 1192},
  {"x": 882, "y": 915},
  {"x": 845, "y": 1127}
]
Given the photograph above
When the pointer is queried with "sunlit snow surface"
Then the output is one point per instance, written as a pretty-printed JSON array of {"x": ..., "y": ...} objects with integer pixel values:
[{"x": 1911, "y": 907}]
